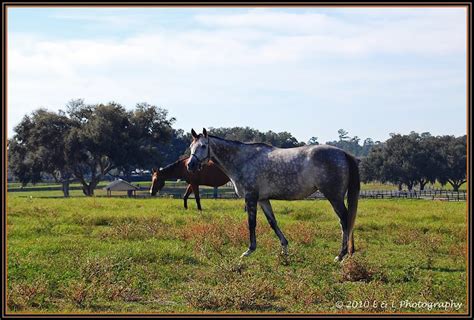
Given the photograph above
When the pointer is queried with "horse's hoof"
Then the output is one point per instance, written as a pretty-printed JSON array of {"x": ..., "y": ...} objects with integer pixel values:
[
  {"x": 340, "y": 258},
  {"x": 284, "y": 250},
  {"x": 247, "y": 253}
]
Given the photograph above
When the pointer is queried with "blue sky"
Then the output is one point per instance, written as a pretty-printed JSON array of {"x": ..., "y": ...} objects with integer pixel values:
[{"x": 309, "y": 71}]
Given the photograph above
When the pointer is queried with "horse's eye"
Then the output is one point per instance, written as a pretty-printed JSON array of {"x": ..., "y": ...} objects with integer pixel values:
[{"x": 203, "y": 146}]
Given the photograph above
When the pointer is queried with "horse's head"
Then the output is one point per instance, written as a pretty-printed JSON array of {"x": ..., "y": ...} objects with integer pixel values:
[
  {"x": 157, "y": 183},
  {"x": 200, "y": 152}
]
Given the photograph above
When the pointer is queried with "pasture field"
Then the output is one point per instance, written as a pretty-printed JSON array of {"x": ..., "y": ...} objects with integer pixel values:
[{"x": 149, "y": 255}]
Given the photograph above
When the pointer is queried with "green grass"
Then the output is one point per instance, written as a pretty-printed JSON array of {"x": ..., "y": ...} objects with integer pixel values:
[
  {"x": 150, "y": 255},
  {"x": 171, "y": 189}
]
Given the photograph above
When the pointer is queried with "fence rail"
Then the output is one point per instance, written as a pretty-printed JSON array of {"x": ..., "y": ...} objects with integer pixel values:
[
  {"x": 431, "y": 194},
  {"x": 176, "y": 190}
]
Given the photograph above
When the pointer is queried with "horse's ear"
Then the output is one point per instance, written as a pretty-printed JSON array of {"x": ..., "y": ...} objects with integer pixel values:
[
  {"x": 153, "y": 170},
  {"x": 204, "y": 132},
  {"x": 195, "y": 135}
]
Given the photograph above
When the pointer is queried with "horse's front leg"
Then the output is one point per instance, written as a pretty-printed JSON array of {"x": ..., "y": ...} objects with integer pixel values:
[
  {"x": 189, "y": 189},
  {"x": 197, "y": 196},
  {"x": 251, "y": 206}
]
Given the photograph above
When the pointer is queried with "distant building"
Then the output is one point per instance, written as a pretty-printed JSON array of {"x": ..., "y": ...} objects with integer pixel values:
[{"x": 121, "y": 185}]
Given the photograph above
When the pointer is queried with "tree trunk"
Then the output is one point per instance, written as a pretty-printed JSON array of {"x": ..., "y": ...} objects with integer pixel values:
[
  {"x": 65, "y": 188},
  {"x": 88, "y": 189},
  {"x": 456, "y": 184},
  {"x": 400, "y": 186},
  {"x": 410, "y": 186},
  {"x": 422, "y": 184}
]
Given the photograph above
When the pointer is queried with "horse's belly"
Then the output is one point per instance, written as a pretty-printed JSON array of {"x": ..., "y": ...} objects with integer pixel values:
[
  {"x": 289, "y": 192},
  {"x": 287, "y": 182}
]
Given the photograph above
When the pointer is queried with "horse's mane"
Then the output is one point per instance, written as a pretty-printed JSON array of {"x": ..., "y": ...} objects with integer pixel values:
[
  {"x": 182, "y": 157},
  {"x": 263, "y": 144},
  {"x": 174, "y": 164}
]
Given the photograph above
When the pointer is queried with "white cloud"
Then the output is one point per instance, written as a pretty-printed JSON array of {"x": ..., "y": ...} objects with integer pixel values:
[
  {"x": 282, "y": 22},
  {"x": 237, "y": 60},
  {"x": 373, "y": 30},
  {"x": 240, "y": 44}
]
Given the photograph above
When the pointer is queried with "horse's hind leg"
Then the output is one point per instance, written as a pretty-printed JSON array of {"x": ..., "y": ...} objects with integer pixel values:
[
  {"x": 197, "y": 196},
  {"x": 341, "y": 211},
  {"x": 267, "y": 209},
  {"x": 251, "y": 208}
]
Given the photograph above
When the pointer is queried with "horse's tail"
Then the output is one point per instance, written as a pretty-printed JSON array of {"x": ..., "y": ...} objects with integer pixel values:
[{"x": 352, "y": 198}]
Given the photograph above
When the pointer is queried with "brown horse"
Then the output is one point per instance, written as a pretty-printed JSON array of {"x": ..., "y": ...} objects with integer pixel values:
[{"x": 208, "y": 175}]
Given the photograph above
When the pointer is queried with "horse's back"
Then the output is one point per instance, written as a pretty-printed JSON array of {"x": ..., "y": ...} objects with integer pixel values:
[{"x": 294, "y": 160}]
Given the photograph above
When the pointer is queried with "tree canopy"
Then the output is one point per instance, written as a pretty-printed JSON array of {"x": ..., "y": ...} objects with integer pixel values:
[
  {"x": 352, "y": 144},
  {"x": 246, "y": 134},
  {"x": 416, "y": 159},
  {"x": 87, "y": 141}
]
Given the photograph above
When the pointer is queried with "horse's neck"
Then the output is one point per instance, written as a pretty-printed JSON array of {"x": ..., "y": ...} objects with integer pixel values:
[
  {"x": 230, "y": 156},
  {"x": 174, "y": 172}
]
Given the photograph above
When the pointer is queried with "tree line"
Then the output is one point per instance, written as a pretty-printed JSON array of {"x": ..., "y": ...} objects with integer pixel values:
[
  {"x": 87, "y": 142},
  {"x": 417, "y": 159}
]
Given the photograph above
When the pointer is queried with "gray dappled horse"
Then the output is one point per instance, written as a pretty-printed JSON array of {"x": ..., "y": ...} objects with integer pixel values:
[{"x": 261, "y": 172}]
